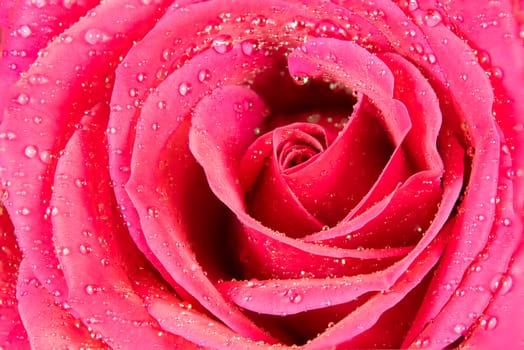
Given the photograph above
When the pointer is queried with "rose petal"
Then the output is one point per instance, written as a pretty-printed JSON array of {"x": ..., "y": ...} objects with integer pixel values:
[
  {"x": 168, "y": 229},
  {"x": 12, "y": 332},
  {"x": 129, "y": 93},
  {"x": 40, "y": 118},
  {"x": 494, "y": 32},
  {"x": 495, "y": 327},
  {"x": 270, "y": 196},
  {"x": 202, "y": 331},
  {"x": 25, "y": 28},
  {"x": 46, "y": 322},
  {"x": 445, "y": 315},
  {"x": 101, "y": 265},
  {"x": 355, "y": 159}
]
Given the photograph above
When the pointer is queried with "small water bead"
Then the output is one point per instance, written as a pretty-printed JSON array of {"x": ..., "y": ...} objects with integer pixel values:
[
  {"x": 204, "y": 75},
  {"x": 153, "y": 212},
  {"x": 421, "y": 343},
  {"x": 412, "y": 5},
  {"x": 30, "y": 151},
  {"x": 161, "y": 104},
  {"x": 133, "y": 92},
  {"x": 488, "y": 323},
  {"x": 184, "y": 88},
  {"x": 328, "y": 28},
  {"x": 155, "y": 126},
  {"x": 417, "y": 47},
  {"x": 94, "y": 36},
  {"x": 37, "y": 79},
  {"x": 222, "y": 44},
  {"x": 501, "y": 284},
  {"x": 432, "y": 18},
  {"x": 431, "y": 58},
  {"x": 301, "y": 80},
  {"x": 46, "y": 157},
  {"x": 24, "y": 31},
  {"x": 295, "y": 298},
  {"x": 495, "y": 73},
  {"x": 141, "y": 77},
  {"x": 90, "y": 290},
  {"x": 85, "y": 249},
  {"x": 459, "y": 328},
  {"x": 22, "y": 99},
  {"x": 248, "y": 47}
]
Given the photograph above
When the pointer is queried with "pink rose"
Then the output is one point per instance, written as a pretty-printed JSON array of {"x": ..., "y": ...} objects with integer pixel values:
[{"x": 242, "y": 174}]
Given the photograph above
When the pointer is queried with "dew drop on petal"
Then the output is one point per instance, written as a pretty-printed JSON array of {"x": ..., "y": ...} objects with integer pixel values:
[
  {"x": 295, "y": 298},
  {"x": 24, "y": 31},
  {"x": 248, "y": 47},
  {"x": 161, "y": 104},
  {"x": 489, "y": 323},
  {"x": 459, "y": 328},
  {"x": 301, "y": 79},
  {"x": 432, "y": 18},
  {"x": 152, "y": 212},
  {"x": 37, "y": 79},
  {"x": 22, "y": 99},
  {"x": 501, "y": 284},
  {"x": 140, "y": 77},
  {"x": 412, "y": 5},
  {"x": 328, "y": 28},
  {"x": 204, "y": 75},
  {"x": 184, "y": 89},
  {"x": 90, "y": 290},
  {"x": 94, "y": 36},
  {"x": 222, "y": 44},
  {"x": 30, "y": 151}
]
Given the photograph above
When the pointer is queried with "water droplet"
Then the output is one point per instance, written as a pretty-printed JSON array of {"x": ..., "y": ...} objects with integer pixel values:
[
  {"x": 248, "y": 47},
  {"x": 65, "y": 251},
  {"x": 506, "y": 222},
  {"x": 488, "y": 323},
  {"x": 24, "y": 31},
  {"x": 153, "y": 212},
  {"x": 46, "y": 157},
  {"x": 432, "y": 18},
  {"x": 495, "y": 72},
  {"x": 22, "y": 99},
  {"x": 161, "y": 104},
  {"x": 30, "y": 151},
  {"x": 94, "y": 36},
  {"x": 155, "y": 126},
  {"x": 421, "y": 343},
  {"x": 301, "y": 79},
  {"x": 328, "y": 28},
  {"x": 85, "y": 249},
  {"x": 459, "y": 328},
  {"x": 412, "y": 5},
  {"x": 204, "y": 75},
  {"x": 90, "y": 290},
  {"x": 24, "y": 211},
  {"x": 140, "y": 77},
  {"x": 184, "y": 89},
  {"x": 484, "y": 58},
  {"x": 222, "y": 44},
  {"x": 37, "y": 79},
  {"x": 133, "y": 92},
  {"x": 431, "y": 58},
  {"x": 417, "y": 47},
  {"x": 501, "y": 284},
  {"x": 295, "y": 298}
]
